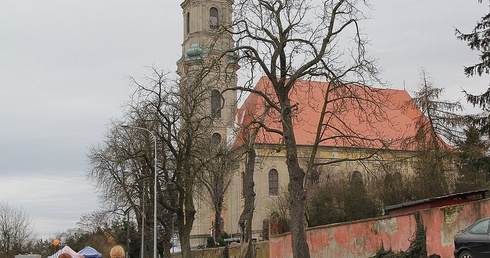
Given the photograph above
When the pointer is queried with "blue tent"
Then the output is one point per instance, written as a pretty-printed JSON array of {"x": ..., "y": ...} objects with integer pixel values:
[{"x": 90, "y": 252}]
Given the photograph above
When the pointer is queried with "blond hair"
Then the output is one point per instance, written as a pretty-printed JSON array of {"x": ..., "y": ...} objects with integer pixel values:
[{"x": 117, "y": 252}]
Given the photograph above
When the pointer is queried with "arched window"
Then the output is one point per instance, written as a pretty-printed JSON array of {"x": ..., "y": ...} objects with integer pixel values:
[
  {"x": 273, "y": 182},
  {"x": 397, "y": 177},
  {"x": 357, "y": 176},
  {"x": 213, "y": 18},
  {"x": 188, "y": 23},
  {"x": 215, "y": 104}
]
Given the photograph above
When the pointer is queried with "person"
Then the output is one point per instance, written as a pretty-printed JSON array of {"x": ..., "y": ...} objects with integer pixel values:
[
  {"x": 65, "y": 255},
  {"x": 117, "y": 252}
]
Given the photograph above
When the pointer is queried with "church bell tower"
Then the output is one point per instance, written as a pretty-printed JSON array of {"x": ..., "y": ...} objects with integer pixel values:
[{"x": 205, "y": 61}]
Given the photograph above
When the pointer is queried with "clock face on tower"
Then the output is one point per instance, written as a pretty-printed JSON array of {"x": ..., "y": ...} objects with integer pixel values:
[
  {"x": 213, "y": 61},
  {"x": 216, "y": 138}
]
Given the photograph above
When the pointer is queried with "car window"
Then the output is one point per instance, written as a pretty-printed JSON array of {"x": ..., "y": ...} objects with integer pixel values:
[{"x": 480, "y": 227}]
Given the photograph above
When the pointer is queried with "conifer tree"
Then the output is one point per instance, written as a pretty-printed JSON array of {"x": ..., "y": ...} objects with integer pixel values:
[
  {"x": 479, "y": 40},
  {"x": 474, "y": 163},
  {"x": 437, "y": 124}
]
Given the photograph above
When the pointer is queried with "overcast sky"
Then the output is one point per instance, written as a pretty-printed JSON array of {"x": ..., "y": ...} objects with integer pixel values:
[{"x": 64, "y": 68}]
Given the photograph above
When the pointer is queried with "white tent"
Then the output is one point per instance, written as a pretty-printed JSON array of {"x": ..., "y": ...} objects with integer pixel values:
[{"x": 67, "y": 250}]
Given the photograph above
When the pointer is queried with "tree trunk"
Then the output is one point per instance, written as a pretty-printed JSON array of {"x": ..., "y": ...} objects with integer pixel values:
[
  {"x": 296, "y": 189},
  {"x": 185, "y": 221},
  {"x": 218, "y": 221},
  {"x": 167, "y": 239},
  {"x": 166, "y": 248},
  {"x": 245, "y": 222},
  {"x": 217, "y": 226},
  {"x": 185, "y": 233}
]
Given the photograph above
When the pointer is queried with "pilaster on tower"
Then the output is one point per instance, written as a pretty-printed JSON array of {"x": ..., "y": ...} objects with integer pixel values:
[{"x": 204, "y": 61}]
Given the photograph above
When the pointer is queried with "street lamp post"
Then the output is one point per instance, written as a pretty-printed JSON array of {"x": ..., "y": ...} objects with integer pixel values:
[
  {"x": 154, "y": 186},
  {"x": 143, "y": 214}
]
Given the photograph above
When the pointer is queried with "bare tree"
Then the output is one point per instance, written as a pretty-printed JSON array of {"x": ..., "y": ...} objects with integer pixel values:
[
  {"x": 15, "y": 231},
  {"x": 121, "y": 167},
  {"x": 185, "y": 139},
  {"x": 181, "y": 125},
  {"x": 93, "y": 222},
  {"x": 216, "y": 180},
  {"x": 297, "y": 40}
]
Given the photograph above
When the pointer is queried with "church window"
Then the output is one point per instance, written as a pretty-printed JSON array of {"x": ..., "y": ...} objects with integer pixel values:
[
  {"x": 215, "y": 104},
  {"x": 188, "y": 23},
  {"x": 273, "y": 182},
  {"x": 357, "y": 176},
  {"x": 213, "y": 18},
  {"x": 243, "y": 183}
]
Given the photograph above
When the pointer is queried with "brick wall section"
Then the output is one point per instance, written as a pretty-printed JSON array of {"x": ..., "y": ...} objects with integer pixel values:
[{"x": 363, "y": 238}]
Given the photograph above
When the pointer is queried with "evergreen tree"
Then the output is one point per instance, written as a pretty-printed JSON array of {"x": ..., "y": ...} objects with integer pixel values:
[
  {"x": 474, "y": 163},
  {"x": 340, "y": 200},
  {"x": 325, "y": 205},
  {"x": 479, "y": 40},
  {"x": 358, "y": 204},
  {"x": 437, "y": 123},
  {"x": 394, "y": 189},
  {"x": 439, "y": 119}
]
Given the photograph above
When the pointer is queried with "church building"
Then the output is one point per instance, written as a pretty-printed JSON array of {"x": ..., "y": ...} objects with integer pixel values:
[{"x": 357, "y": 137}]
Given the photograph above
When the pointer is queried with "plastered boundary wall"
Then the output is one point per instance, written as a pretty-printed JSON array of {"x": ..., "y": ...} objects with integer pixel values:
[
  {"x": 261, "y": 251},
  {"x": 364, "y": 238}
]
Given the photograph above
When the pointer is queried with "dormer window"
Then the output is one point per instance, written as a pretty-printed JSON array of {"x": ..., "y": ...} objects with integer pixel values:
[{"x": 213, "y": 18}]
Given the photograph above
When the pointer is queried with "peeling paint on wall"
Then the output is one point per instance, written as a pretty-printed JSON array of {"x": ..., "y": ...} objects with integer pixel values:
[
  {"x": 389, "y": 226},
  {"x": 451, "y": 213}
]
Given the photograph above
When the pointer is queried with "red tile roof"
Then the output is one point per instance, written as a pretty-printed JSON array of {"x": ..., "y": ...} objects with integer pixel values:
[{"x": 357, "y": 116}]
